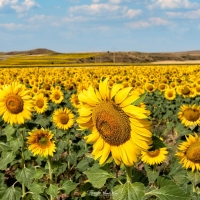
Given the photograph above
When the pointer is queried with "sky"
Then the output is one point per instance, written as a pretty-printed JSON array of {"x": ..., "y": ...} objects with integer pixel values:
[{"x": 100, "y": 25}]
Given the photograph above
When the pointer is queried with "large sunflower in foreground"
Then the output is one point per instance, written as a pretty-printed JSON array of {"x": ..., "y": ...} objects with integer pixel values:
[
  {"x": 189, "y": 115},
  {"x": 189, "y": 152},
  {"x": 40, "y": 142},
  {"x": 63, "y": 118},
  {"x": 117, "y": 126},
  {"x": 154, "y": 157},
  {"x": 15, "y": 103}
]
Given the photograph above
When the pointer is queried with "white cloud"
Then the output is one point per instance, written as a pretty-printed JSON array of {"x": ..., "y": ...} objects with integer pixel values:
[
  {"x": 171, "y": 4},
  {"x": 132, "y": 13},
  {"x": 138, "y": 25},
  {"x": 105, "y": 10},
  {"x": 195, "y": 14},
  {"x": 12, "y": 26},
  {"x": 95, "y": 8},
  {"x": 158, "y": 21},
  {"x": 7, "y": 2},
  {"x": 154, "y": 21},
  {"x": 115, "y": 1},
  {"x": 25, "y": 6}
]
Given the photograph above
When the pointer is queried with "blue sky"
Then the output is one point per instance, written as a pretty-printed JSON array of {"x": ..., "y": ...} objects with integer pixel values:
[{"x": 100, "y": 25}]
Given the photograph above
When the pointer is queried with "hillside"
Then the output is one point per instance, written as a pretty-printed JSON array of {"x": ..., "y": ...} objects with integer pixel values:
[{"x": 114, "y": 57}]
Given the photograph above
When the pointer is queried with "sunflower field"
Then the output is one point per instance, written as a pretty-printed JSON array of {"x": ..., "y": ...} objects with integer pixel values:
[{"x": 121, "y": 133}]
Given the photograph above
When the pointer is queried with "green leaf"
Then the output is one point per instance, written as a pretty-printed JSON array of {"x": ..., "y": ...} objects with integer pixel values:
[
  {"x": 1, "y": 179},
  {"x": 4, "y": 146},
  {"x": 157, "y": 143},
  {"x": 151, "y": 174},
  {"x": 3, "y": 188},
  {"x": 194, "y": 177},
  {"x": 9, "y": 131},
  {"x": 172, "y": 192},
  {"x": 38, "y": 197},
  {"x": 6, "y": 158},
  {"x": 164, "y": 182},
  {"x": 16, "y": 143},
  {"x": 140, "y": 100},
  {"x": 52, "y": 190},
  {"x": 24, "y": 175},
  {"x": 12, "y": 193},
  {"x": 98, "y": 176},
  {"x": 36, "y": 188},
  {"x": 68, "y": 186},
  {"x": 128, "y": 191},
  {"x": 84, "y": 164},
  {"x": 38, "y": 174}
]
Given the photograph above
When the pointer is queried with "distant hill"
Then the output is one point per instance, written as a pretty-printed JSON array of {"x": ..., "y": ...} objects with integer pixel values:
[
  {"x": 30, "y": 52},
  {"x": 119, "y": 57}
]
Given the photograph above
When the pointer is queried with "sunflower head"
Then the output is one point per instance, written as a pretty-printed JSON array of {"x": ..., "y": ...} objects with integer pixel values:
[
  {"x": 63, "y": 118},
  {"x": 41, "y": 143},
  {"x": 117, "y": 126},
  {"x": 189, "y": 152},
  {"x": 189, "y": 115},
  {"x": 15, "y": 103}
]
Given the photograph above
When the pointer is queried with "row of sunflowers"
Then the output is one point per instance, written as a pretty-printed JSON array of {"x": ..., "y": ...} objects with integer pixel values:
[{"x": 100, "y": 133}]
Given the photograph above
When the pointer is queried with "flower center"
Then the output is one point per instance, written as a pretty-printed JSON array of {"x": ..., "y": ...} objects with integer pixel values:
[
  {"x": 57, "y": 96},
  {"x": 43, "y": 141},
  {"x": 154, "y": 153},
  {"x": 193, "y": 152},
  {"x": 112, "y": 123},
  {"x": 191, "y": 115},
  {"x": 40, "y": 103},
  {"x": 14, "y": 104},
  {"x": 170, "y": 94},
  {"x": 64, "y": 118},
  {"x": 185, "y": 91}
]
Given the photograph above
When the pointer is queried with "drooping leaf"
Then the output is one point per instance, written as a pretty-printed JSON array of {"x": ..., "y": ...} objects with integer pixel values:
[
  {"x": 25, "y": 175},
  {"x": 151, "y": 174},
  {"x": 169, "y": 192},
  {"x": 6, "y": 158},
  {"x": 13, "y": 193},
  {"x": 52, "y": 190},
  {"x": 140, "y": 100},
  {"x": 68, "y": 186},
  {"x": 128, "y": 191},
  {"x": 98, "y": 176},
  {"x": 157, "y": 143}
]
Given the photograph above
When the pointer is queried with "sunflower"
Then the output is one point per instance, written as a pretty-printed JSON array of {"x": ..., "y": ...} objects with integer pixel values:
[
  {"x": 40, "y": 103},
  {"x": 15, "y": 103},
  {"x": 154, "y": 157},
  {"x": 189, "y": 153},
  {"x": 150, "y": 87},
  {"x": 74, "y": 100},
  {"x": 170, "y": 94},
  {"x": 57, "y": 96},
  {"x": 63, "y": 118},
  {"x": 189, "y": 115},
  {"x": 117, "y": 126},
  {"x": 41, "y": 143}
]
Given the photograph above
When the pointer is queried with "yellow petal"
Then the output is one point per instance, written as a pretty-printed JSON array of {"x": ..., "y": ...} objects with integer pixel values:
[
  {"x": 115, "y": 89},
  {"x": 129, "y": 100},
  {"x": 103, "y": 88},
  {"x": 116, "y": 154},
  {"x": 92, "y": 137},
  {"x": 98, "y": 146},
  {"x": 124, "y": 156},
  {"x": 92, "y": 95},
  {"x": 83, "y": 97},
  {"x": 105, "y": 154},
  {"x": 122, "y": 94}
]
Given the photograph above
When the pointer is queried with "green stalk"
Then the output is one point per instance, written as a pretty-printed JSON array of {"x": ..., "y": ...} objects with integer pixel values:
[
  {"x": 23, "y": 165},
  {"x": 129, "y": 174},
  {"x": 50, "y": 173}
]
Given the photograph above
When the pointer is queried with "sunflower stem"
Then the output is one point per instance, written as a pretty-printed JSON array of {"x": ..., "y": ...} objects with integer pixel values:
[
  {"x": 129, "y": 173},
  {"x": 23, "y": 164},
  {"x": 50, "y": 173}
]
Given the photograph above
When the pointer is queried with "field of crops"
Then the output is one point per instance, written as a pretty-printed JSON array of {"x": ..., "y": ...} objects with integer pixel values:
[{"x": 119, "y": 133}]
